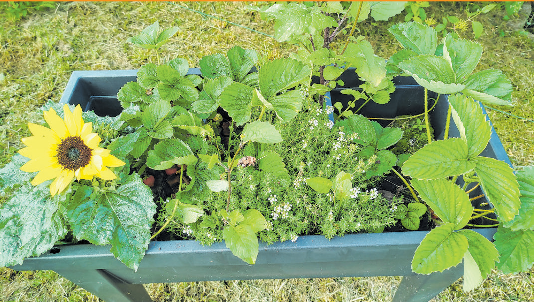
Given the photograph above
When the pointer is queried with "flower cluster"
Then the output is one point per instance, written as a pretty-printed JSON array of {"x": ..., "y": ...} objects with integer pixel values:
[{"x": 281, "y": 211}]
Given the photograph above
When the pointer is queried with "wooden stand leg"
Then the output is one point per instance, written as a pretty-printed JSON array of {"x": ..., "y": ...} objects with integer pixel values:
[
  {"x": 422, "y": 288},
  {"x": 106, "y": 286}
]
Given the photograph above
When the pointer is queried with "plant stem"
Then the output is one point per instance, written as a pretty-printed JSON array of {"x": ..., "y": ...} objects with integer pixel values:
[
  {"x": 262, "y": 112},
  {"x": 407, "y": 185},
  {"x": 427, "y": 124},
  {"x": 472, "y": 189},
  {"x": 476, "y": 197},
  {"x": 366, "y": 101},
  {"x": 480, "y": 225},
  {"x": 448, "y": 123},
  {"x": 173, "y": 210},
  {"x": 230, "y": 168},
  {"x": 353, "y": 26}
]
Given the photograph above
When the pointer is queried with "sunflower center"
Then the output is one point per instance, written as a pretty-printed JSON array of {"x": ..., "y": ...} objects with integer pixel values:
[{"x": 72, "y": 153}]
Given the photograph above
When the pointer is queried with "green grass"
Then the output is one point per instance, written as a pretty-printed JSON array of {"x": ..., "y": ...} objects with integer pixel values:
[{"x": 39, "y": 52}]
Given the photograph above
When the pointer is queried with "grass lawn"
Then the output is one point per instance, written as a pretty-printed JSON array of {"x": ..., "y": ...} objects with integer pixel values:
[{"x": 40, "y": 51}]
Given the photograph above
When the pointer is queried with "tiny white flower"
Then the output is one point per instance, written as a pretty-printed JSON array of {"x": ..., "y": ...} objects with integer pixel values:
[
  {"x": 330, "y": 124},
  {"x": 354, "y": 192},
  {"x": 305, "y": 145},
  {"x": 373, "y": 193},
  {"x": 329, "y": 109},
  {"x": 294, "y": 238}
]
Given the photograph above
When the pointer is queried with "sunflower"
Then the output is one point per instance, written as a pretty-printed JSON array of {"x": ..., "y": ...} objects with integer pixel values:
[{"x": 65, "y": 151}]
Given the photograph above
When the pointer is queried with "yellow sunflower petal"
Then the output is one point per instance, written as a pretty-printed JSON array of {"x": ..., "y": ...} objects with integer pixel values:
[
  {"x": 39, "y": 143},
  {"x": 37, "y": 164},
  {"x": 61, "y": 182},
  {"x": 87, "y": 128},
  {"x": 42, "y": 131},
  {"x": 73, "y": 121},
  {"x": 96, "y": 160},
  {"x": 87, "y": 172},
  {"x": 107, "y": 174},
  {"x": 112, "y": 161},
  {"x": 56, "y": 123},
  {"x": 91, "y": 140},
  {"x": 45, "y": 175}
]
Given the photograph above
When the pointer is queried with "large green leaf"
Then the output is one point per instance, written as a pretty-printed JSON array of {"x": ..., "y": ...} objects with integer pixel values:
[
  {"x": 169, "y": 152},
  {"x": 485, "y": 98},
  {"x": 441, "y": 249},
  {"x": 147, "y": 76},
  {"x": 516, "y": 249},
  {"x": 214, "y": 66},
  {"x": 241, "y": 61},
  {"x": 320, "y": 184},
  {"x": 369, "y": 67},
  {"x": 463, "y": 55},
  {"x": 471, "y": 122},
  {"x": 382, "y": 11},
  {"x": 281, "y": 74},
  {"x": 261, "y": 132},
  {"x": 500, "y": 185},
  {"x": 432, "y": 72},
  {"x": 472, "y": 275},
  {"x": 490, "y": 82},
  {"x": 241, "y": 238},
  {"x": 270, "y": 162},
  {"x": 236, "y": 99},
  {"x": 11, "y": 174},
  {"x": 388, "y": 137},
  {"x": 210, "y": 94},
  {"x": 133, "y": 94},
  {"x": 287, "y": 105},
  {"x": 121, "y": 217},
  {"x": 525, "y": 219},
  {"x": 482, "y": 250},
  {"x": 447, "y": 199},
  {"x": 179, "y": 64},
  {"x": 155, "y": 113},
  {"x": 386, "y": 160},
  {"x": 147, "y": 37},
  {"x": 294, "y": 20},
  {"x": 439, "y": 159},
  {"x": 420, "y": 38},
  {"x": 342, "y": 185},
  {"x": 30, "y": 224},
  {"x": 142, "y": 143},
  {"x": 360, "y": 125}
]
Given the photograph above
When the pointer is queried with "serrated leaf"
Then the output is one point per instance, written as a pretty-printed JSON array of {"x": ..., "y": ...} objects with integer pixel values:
[
  {"x": 447, "y": 199},
  {"x": 331, "y": 73},
  {"x": 147, "y": 37},
  {"x": 395, "y": 59},
  {"x": 525, "y": 218},
  {"x": 214, "y": 66},
  {"x": 411, "y": 221},
  {"x": 236, "y": 99},
  {"x": 261, "y": 132},
  {"x": 382, "y": 11},
  {"x": 500, "y": 186},
  {"x": 169, "y": 152},
  {"x": 417, "y": 208},
  {"x": 217, "y": 185},
  {"x": 210, "y": 94},
  {"x": 132, "y": 93},
  {"x": 155, "y": 113},
  {"x": 441, "y": 249},
  {"x": 421, "y": 39},
  {"x": 141, "y": 144},
  {"x": 180, "y": 65},
  {"x": 188, "y": 212},
  {"x": 369, "y": 67},
  {"x": 130, "y": 210},
  {"x": 147, "y": 76},
  {"x": 165, "y": 35},
  {"x": 11, "y": 174},
  {"x": 360, "y": 125},
  {"x": 320, "y": 184},
  {"x": 241, "y": 61},
  {"x": 439, "y": 159},
  {"x": 432, "y": 72},
  {"x": 30, "y": 224},
  {"x": 482, "y": 251},
  {"x": 486, "y": 98},
  {"x": 242, "y": 241},
  {"x": 210, "y": 160},
  {"x": 389, "y": 137},
  {"x": 162, "y": 130},
  {"x": 464, "y": 56},
  {"x": 123, "y": 145},
  {"x": 270, "y": 162},
  {"x": 281, "y": 74},
  {"x": 492, "y": 82},
  {"x": 255, "y": 220},
  {"x": 287, "y": 105},
  {"x": 471, "y": 122},
  {"x": 516, "y": 250},
  {"x": 386, "y": 160},
  {"x": 360, "y": 12},
  {"x": 472, "y": 275}
]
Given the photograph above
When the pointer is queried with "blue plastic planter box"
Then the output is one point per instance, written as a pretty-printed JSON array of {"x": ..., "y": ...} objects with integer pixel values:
[{"x": 357, "y": 255}]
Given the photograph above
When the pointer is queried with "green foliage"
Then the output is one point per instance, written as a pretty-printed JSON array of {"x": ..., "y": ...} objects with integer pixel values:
[
  {"x": 152, "y": 38},
  {"x": 410, "y": 216},
  {"x": 240, "y": 233},
  {"x": 16, "y": 10}
]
